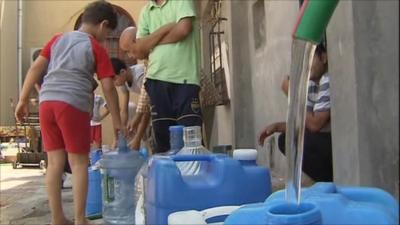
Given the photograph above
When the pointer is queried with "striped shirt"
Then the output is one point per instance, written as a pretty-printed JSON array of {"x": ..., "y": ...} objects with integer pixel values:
[{"x": 319, "y": 97}]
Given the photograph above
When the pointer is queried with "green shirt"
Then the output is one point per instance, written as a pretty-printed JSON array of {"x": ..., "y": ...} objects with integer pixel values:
[{"x": 178, "y": 62}]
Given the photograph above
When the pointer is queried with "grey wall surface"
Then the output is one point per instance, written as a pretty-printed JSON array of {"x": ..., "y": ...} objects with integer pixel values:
[
  {"x": 218, "y": 120},
  {"x": 269, "y": 62},
  {"x": 363, "y": 55},
  {"x": 242, "y": 99},
  {"x": 8, "y": 46}
]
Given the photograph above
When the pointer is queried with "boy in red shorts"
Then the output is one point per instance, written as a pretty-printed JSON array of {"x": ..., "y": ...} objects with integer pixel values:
[{"x": 66, "y": 102}]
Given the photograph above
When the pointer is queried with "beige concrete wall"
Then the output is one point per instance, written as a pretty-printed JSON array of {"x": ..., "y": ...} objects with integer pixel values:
[
  {"x": 41, "y": 20},
  {"x": 8, "y": 59}
]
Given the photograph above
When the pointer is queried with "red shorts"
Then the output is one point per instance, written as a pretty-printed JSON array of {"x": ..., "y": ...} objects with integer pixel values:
[
  {"x": 64, "y": 127},
  {"x": 95, "y": 134}
]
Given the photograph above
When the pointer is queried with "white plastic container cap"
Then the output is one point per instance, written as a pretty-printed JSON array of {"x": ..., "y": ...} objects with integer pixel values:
[{"x": 245, "y": 154}]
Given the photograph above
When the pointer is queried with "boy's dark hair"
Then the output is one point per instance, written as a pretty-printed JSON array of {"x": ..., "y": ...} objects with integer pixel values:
[
  {"x": 98, "y": 11},
  {"x": 118, "y": 65},
  {"x": 320, "y": 50}
]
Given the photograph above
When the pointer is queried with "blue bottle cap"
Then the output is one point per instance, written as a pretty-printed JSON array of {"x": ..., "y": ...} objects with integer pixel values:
[
  {"x": 178, "y": 128},
  {"x": 144, "y": 153}
]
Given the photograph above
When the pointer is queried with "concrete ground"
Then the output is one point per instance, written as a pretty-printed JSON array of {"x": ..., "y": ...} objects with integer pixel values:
[{"x": 23, "y": 198}]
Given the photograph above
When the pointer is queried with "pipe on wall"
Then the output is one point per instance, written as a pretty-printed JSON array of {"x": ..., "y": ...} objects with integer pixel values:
[{"x": 19, "y": 46}]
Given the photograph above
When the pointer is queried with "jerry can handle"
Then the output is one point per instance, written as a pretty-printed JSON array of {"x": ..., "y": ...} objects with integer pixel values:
[{"x": 183, "y": 158}]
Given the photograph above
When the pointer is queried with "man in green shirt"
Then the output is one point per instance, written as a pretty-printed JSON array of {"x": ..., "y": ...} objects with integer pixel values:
[{"x": 168, "y": 35}]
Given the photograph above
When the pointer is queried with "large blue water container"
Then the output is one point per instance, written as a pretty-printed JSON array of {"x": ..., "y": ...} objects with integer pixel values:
[
  {"x": 222, "y": 181},
  {"x": 323, "y": 203},
  {"x": 118, "y": 171},
  {"x": 94, "y": 197}
]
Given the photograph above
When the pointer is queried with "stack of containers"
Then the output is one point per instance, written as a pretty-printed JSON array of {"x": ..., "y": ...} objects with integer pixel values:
[{"x": 194, "y": 179}]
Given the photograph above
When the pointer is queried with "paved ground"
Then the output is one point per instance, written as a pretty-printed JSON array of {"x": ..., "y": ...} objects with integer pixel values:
[{"x": 23, "y": 199}]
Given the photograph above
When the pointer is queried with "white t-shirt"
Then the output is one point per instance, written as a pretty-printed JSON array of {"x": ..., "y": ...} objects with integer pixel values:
[
  {"x": 97, "y": 104},
  {"x": 137, "y": 72}
]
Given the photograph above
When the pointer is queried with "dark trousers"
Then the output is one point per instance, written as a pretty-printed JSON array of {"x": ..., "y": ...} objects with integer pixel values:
[
  {"x": 172, "y": 104},
  {"x": 317, "y": 155}
]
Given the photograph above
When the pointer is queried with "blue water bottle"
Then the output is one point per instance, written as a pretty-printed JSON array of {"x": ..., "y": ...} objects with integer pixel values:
[{"x": 175, "y": 138}]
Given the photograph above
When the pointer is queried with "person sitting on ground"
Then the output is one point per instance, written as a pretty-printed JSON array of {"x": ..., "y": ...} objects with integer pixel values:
[
  {"x": 317, "y": 158},
  {"x": 66, "y": 102}
]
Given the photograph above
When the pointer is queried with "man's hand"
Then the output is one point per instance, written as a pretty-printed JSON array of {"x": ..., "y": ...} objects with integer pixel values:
[
  {"x": 269, "y": 130},
  {"x": 285, "y": 85},
  {"x": 142, "y": 47},
  {"x": 266, "y": 132},
  {"x": 133, "y": 124},
  {"x": 179, "y": 32},
  {"x": 22, "y": 110}
]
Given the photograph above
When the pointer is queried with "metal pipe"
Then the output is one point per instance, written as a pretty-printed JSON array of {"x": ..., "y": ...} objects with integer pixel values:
[{"x": 19, "y": 46}]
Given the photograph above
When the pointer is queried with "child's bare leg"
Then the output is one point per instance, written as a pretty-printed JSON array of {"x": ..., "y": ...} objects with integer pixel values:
[
  {"x": 55, "y": 168},
  {"x": 79, "y": 166}
]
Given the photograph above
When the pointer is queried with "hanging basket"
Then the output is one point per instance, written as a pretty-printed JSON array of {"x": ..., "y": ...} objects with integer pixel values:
[{"x": 214, "y": 89}]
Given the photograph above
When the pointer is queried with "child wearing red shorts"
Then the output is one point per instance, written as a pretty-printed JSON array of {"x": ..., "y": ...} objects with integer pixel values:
[{"x": 66, "y": 102}]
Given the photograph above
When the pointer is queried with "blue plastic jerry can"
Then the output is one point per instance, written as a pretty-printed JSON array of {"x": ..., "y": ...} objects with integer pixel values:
[
  {"x": 323, "y": 203},
  {"x": 94, "y": 197},
  {"x": 222, "y": 181}
]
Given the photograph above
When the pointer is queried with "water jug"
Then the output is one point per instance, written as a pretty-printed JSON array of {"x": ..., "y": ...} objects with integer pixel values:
[
  {"x": 119, "y": 169},
  {"x": 94, "y": 197},
  {"x": 176, "y": 143},
  {"x": 323, "y": 203},
  {"x": 222, "y": 181},
  {"x": 175, "y": 139}
]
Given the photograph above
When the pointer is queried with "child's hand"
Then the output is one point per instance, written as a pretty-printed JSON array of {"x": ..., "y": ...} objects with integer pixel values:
[
  {"x": 135, "y": 143},
  {"x": 21, "y": 110}
]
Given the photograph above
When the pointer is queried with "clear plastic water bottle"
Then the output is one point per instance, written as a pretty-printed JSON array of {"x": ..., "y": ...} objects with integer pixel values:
[
  {"x": 119, "y": 169},
  {"x": 192, "y": 139}
]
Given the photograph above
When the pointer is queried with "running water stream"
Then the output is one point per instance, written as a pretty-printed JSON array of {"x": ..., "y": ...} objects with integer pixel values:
[
  {"x": 313, "y": 18},
  {"x": 302, "y": 56}
]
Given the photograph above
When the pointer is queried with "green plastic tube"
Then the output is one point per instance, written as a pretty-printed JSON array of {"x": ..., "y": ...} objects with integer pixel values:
[{"x": 313, "y": 19}]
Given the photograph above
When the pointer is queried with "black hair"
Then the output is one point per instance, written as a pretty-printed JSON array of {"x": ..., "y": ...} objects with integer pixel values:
[
  {"x": 98, "y": 11},
  {"x": 320, "y": 49},
  {"x": 118, "y": 65}
]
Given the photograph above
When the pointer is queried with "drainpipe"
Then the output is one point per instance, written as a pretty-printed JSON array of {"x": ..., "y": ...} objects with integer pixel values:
[{"x": 19, "y": 46}]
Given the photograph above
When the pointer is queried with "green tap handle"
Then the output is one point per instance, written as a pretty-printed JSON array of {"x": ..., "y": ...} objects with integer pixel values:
[{"x": 313, "y": 19}]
